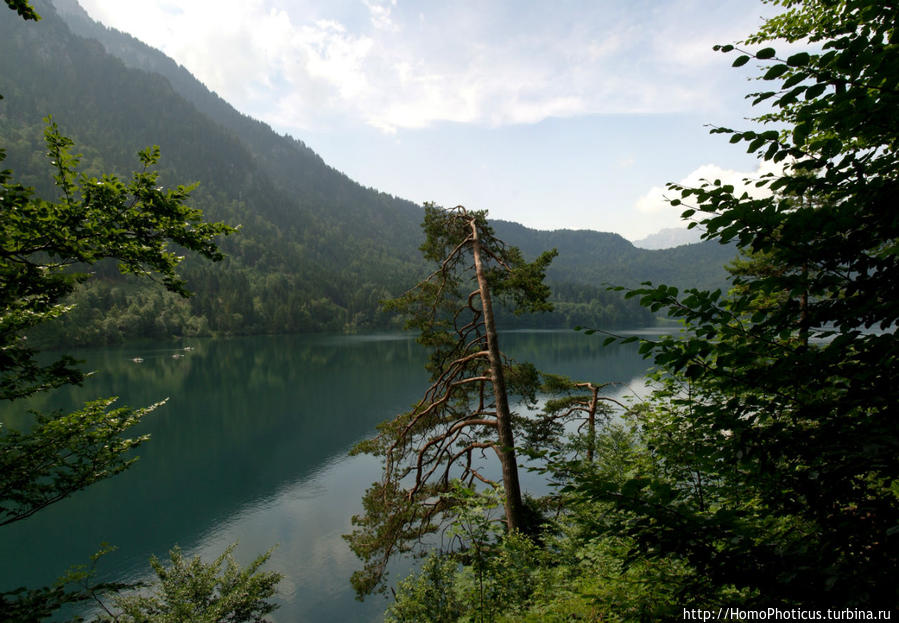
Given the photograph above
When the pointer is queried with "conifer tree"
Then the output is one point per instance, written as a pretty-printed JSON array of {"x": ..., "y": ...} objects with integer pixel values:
[{"x": 465, "y": 414}]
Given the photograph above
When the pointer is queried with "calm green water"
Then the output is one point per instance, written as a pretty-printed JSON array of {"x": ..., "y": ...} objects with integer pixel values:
[{"x": 252, "y": 448}]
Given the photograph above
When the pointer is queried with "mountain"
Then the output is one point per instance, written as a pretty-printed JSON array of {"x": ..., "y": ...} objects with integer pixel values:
[
  {"x": 669, "y": 237},
  {"x": 597, "y": 258},
  {"x": 316, "y": 251}
]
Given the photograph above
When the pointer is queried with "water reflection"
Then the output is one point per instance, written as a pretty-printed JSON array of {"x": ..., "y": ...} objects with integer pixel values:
[{"x": 251, "y": 447}]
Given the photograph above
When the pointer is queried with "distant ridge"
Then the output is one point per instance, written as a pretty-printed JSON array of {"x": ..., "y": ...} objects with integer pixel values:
[{"x": 669, "y": 237}]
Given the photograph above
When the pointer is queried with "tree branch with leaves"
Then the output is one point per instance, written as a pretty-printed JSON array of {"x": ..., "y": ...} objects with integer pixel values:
[
  {"x": 464, "y": 418},
  {"x": 774, "y": 429}
]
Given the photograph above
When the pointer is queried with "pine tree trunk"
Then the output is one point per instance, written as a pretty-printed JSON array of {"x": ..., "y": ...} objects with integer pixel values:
[
  {"x": 591, "y": 423},
  {"x": 513, "y": 505}
]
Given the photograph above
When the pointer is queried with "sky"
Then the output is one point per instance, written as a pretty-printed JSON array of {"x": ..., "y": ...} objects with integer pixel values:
[{"x": 559, "y": 114}]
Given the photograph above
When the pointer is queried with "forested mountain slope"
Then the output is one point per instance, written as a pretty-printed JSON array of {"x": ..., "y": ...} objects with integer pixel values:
[
  {"x": 289, "y": 163},
  {"x": 316, "y": 251},
  {"x": 592, "y": 257}
]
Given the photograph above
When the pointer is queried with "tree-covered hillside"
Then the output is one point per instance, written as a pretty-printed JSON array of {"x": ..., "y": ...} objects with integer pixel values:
[{"x": 316, "y": 251}]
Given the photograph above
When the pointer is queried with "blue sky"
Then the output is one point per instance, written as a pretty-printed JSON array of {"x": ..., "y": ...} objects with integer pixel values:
[{"x": 563, "y": 114}]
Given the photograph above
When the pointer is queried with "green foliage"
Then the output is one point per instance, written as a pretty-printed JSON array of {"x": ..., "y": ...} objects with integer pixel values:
[
  {"x": 185, "y": 590},
  {"x": 23, "y": 8},
  {"x": 772, "y": 434},
  {"x": 436, "y": 306},
  {"x": 485, "y": 574},
  {"x": 40, "y": 241},
  {"x": 191, "y": 590},
  {"x": 106, "y": 312},
  {"x": 477, "y": 530},
  {"x": 64, "y": 453},
  {"x": 763, "y": 470},
  {"x": 573, "y": 572},
  {"x": 567, "y": 402},
  {"x": 429, "y": 595},
  {"x": 465, "y": 412},
  {"x": 76, "y": 586},
  {"x": 44, "y": 249}
]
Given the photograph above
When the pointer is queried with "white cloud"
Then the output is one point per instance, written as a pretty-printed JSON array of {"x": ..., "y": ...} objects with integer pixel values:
[
  {"x": 308, "y": 64},
  {"x": 380, "y": 15},
  {"x": 655, "y": 212},
  {"x": 327, "y": 52}
]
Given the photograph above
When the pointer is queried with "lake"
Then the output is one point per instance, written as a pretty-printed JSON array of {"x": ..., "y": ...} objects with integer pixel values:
[{"x": 252, "y": 448}]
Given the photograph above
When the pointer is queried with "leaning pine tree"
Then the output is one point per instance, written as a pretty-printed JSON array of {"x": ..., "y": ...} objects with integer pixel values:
[{"x": 464, "y": 416}]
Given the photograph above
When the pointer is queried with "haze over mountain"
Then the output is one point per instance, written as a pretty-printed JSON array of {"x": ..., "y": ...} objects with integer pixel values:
[
  {"x": 668, "y": 238},
  {"x": 316, "y": 251}
]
